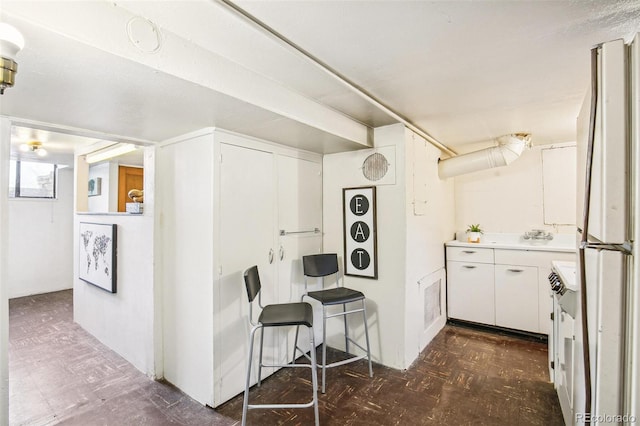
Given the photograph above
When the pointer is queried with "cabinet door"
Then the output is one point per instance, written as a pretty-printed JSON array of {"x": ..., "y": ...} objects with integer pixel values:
[
  {"x": 470, "y": 292},
  {"x": 299, "y": 214},
  {"x": 517, "y": 297},
  {"x": 247, "y": 235},
  {"x": 299, "y": 194}
]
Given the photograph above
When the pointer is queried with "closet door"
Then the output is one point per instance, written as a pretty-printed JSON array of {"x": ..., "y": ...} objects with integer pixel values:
[
  {"x": 299, "y": 215},
  {"x": 247, "y": 235}
]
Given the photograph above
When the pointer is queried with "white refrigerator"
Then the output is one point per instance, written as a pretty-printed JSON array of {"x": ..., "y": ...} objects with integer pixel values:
[{"x": 608, "y": 235}]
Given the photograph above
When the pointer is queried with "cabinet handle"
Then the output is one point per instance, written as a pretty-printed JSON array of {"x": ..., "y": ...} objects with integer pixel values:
[
  {"x": 468, "y": 251},
  {"x": 270, "y": 256},
  {"x": 469, "y": 266},
  {"x": 281, "y": 252},
  {"x": 515, "y": 270}
]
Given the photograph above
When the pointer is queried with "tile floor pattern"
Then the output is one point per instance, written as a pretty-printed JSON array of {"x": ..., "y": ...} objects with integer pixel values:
[{"x": 59, "y": 374}]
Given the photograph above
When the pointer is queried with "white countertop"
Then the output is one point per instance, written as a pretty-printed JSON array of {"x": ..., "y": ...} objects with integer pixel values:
[{"x": 561, "y": 242}]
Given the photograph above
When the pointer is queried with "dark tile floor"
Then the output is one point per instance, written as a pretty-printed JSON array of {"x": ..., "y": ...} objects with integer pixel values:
[{"x": 61, "y": 374}]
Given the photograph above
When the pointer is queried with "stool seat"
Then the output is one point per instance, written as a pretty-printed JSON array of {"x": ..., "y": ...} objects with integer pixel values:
[
  {"x": 284, "y": 314},
  {"x": 336, "y": 296}
]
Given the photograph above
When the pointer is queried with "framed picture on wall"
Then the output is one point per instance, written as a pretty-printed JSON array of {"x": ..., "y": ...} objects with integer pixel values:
[
  {"x": 360, "y": 236},
  {"x": 95, "y": 186},
  {"x": 97, "y": 255}
]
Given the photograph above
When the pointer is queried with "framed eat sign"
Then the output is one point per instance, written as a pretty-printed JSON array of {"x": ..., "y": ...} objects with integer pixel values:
[{"x": 360, "y": 238}]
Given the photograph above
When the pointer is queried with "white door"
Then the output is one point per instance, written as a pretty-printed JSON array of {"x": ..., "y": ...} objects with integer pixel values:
[
  {"x": 609, "y": 206},
  {"x": 299, "y": 215},
  {"x": 516, "y": 289},
  {"x": 246, "y": 214},
  {"x": 606, "y": 331}
]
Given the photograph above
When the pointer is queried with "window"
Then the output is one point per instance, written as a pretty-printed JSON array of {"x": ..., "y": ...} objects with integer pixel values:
[{"x": 29, "y": 179}]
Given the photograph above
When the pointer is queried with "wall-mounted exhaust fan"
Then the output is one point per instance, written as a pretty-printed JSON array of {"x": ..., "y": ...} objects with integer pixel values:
[{"x": 375, "y": 167}]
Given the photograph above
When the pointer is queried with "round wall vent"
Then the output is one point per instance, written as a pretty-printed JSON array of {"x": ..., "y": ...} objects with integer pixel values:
[{"x": 375, "y": 166}]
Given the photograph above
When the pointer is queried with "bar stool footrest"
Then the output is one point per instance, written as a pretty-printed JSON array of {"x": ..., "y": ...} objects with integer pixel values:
[
  {"x": 343, "y": 362},
  {"x": 276, "y": 406},
  {"x": 288, "y": 365}
]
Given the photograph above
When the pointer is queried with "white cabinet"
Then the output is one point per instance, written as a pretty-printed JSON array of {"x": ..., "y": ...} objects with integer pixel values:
[
  {"x": 516, "y": 301},
  {"x": 224, "y": 201},
  {"x": 502, "y": 287},
  {"x": 542, "y": 261},
  {"x": 470, "y": 291}
]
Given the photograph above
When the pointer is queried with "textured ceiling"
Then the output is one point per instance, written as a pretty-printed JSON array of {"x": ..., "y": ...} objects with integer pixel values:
[{"x": 465, "y": 72}]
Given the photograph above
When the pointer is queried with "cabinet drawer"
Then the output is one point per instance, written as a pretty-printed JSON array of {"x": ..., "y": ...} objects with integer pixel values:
[
  {"x": 470, "y": 254},
  {"x": 530, "y": 257}
]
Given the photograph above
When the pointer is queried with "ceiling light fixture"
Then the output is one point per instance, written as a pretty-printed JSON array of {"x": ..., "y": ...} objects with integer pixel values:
[
  {"x": 110, "y": 152},
  {"x": 11, "y": 42},
  {"x": 34, "y": 146}
]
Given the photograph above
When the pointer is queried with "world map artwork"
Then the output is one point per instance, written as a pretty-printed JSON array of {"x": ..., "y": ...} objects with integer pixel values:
[
  {"x": 97, "y": 252},
  {"x": 96, "y": 255}
]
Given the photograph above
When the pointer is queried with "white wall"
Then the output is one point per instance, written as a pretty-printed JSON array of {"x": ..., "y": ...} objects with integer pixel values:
[
  {"x": 107, "y": 201},
  {"x": 41, "y": 241},
  {"x": 408, "y": 247},
  {"x": 127, "y": 320},
  {"x": 385, "y": 296},
  {"x": 428, "y": 227},
  {"x": 510, "y": 199}
]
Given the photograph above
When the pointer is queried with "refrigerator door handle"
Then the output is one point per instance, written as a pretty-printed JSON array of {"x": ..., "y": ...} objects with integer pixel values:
[{"x": 624, "y": 248}]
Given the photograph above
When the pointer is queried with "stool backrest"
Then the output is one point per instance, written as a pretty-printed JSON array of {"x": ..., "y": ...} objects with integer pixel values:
[
  {"x": 320, "y": 265},
  {"x": 252, "y": 282}
]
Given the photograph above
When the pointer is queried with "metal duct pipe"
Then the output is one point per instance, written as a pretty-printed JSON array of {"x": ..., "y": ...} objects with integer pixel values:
[{"x": 508, "y": 150}]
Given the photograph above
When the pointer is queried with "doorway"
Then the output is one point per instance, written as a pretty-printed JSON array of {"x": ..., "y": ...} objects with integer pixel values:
[{"x": 128, "y": 178}]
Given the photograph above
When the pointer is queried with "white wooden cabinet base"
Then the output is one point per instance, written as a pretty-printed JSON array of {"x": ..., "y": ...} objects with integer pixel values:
[
  {"x": 500, "y": 286},
  {"x": 224, "y": 201}
]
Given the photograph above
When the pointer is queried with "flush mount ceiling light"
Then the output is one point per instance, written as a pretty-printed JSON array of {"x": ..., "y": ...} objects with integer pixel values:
[
  {"x": 110, "y": 152},
  {"x": 34, "y": 146},
  {"x": 11, "y": 42}
]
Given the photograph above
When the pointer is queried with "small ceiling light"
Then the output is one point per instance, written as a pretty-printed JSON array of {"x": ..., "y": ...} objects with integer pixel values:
[
  {"x": 11, "y": 42},
  {"x": 34, "y": 146}
]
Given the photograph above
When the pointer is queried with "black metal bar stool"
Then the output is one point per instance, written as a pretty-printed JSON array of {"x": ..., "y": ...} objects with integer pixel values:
[
  {"x": 277, "y": 315},
  {"x": 323, "y": 265}
]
